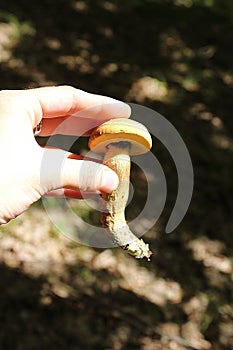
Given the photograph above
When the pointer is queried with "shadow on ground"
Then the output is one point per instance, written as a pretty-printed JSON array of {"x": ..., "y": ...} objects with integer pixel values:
[{"x": 176, "y": 59}]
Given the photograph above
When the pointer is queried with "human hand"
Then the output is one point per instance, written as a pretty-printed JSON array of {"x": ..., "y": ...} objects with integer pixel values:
[{"x": 29, "y": 171}]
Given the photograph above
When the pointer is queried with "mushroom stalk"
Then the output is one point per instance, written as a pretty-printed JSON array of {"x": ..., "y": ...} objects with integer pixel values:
[{"x": 113, "y": 205}]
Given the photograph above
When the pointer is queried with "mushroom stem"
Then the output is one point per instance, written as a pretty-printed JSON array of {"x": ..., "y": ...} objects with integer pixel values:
[{"x": 113, "y": 205}]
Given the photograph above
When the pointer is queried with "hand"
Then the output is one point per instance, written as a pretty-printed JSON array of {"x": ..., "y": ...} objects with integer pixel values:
[{"x": 29, "y": 171}]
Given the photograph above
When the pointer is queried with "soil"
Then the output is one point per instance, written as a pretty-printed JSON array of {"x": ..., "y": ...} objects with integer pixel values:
[{"x": 174, "y": 57}]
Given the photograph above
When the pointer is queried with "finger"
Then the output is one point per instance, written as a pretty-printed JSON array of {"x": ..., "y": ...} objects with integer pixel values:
[
  {"x": 72, "y": 125},
  {"x": 58, "y": 171},
  {"x": 66, "y": 100},
  {"x": 77, "y": 156},
  {"x": 71, "y": 155},
  {"x": 67, "y": 193}
]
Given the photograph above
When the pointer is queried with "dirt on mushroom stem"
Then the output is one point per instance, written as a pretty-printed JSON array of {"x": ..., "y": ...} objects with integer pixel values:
[{"x": 113, "y": 205}]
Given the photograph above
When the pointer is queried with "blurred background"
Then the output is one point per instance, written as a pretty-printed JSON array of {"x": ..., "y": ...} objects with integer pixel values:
[{"x": 174, "y": 56}]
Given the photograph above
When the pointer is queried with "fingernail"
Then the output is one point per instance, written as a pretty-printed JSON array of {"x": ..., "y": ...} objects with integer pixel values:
[
  {"x": 118, "y": 109},
  {"x": 125, "y": 109},
  {"x": 109, "y": 181}
]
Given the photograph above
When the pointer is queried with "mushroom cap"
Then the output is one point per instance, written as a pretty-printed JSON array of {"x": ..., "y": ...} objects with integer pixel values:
[{"x": 121, "y": 130}]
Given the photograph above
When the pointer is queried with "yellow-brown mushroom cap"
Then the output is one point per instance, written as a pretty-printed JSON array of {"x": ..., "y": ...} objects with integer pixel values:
[{"x": 121, "y": 130}]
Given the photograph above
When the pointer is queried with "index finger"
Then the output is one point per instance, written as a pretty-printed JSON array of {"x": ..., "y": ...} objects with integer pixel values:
[{"x": 66, "y": 100}]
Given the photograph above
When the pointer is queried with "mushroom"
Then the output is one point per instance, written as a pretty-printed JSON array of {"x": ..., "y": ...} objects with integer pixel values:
[{"x": 118, "y": 139}]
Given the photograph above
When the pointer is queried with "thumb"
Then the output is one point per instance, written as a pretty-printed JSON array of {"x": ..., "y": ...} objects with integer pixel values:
[{"x": 58, "y": 171}]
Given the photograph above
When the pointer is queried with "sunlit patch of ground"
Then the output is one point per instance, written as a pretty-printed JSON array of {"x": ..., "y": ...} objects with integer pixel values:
[{"x": 176, "y": 58}]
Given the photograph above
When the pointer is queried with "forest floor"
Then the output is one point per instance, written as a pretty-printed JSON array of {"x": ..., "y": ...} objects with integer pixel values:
[{"x": 174, "y": 57}]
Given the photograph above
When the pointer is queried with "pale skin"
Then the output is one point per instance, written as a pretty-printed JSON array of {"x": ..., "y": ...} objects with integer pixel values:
[{"x": 21, "y": 157}]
